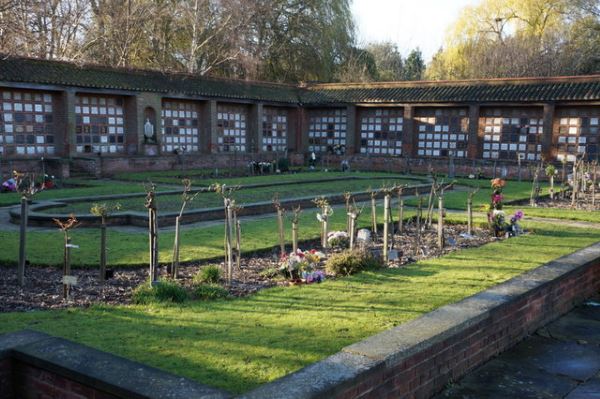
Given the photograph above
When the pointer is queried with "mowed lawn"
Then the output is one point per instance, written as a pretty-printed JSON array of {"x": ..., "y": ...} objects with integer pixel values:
[{"x": 238, "y": 344}]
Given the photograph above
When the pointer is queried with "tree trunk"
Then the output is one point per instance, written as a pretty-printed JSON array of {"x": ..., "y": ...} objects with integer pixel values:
[
  {"x": 386, "y": 217},
  {"x": 238, "y": 244},
  {"x": 66, "y": 265},
  {"x": 552, "y": 187},
  {"x": 229, "y": 235},
  {"x": 23, "y": 241},
  {"x": 440, "y": 224},
  {"x": 281, "y": 231},
  {"x": 295, "y": 236},
  {"x": 103, "y": 250},
  {"x": 175, "y": 264},
  {"x": 374, "y": 216},
  {"x": 470, "y": 215},
  {"x": 400, "y": 216}
]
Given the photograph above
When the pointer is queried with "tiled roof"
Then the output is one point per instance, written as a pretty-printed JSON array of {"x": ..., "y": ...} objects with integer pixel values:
[
  {"x": 68, "y": 74},
  {"x": 579, "y": 88},
  {"x": 27, "y": 70}
]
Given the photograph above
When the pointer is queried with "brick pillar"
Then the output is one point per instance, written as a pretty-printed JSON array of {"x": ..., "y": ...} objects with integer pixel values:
[
  {"x": 132, "y": 125},
  {"x": 254, "y": 129},
  {"x": 208, "y": 137},
  {"x": 409, "y": 139},
  {"x": 293, "y": 128},
  {"x": 302, "y": 131},
  {"x": 474, "y": 149},
  {"x": 548, "y": 152},
  {"x": 64, "y": 133},
  {"x": 351, "y": 147}
]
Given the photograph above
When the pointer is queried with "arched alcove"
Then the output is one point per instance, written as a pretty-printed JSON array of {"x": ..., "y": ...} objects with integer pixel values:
[{"x": 150, "y": 126}]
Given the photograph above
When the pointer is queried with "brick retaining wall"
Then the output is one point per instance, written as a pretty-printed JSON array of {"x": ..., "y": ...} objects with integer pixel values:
[{"x": 417, "y": 359}]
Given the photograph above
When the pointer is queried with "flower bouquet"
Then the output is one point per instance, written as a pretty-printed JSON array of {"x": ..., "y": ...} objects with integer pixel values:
[{"x": 300, "y": 266}]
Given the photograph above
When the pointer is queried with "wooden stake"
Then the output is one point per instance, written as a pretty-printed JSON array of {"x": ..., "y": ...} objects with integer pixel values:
[
  {"x": 22, "y": 240},
  {"x": 386, "y": 217},
  {"x": 175, "y": 264},
  {"x": 103, "y": 250},
  {"x": 440, "y": 224},
  {"x": 374, "y": 213}
]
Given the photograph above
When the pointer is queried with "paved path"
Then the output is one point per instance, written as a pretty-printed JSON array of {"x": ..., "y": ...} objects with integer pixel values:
[{"x": 561, "y": 360}]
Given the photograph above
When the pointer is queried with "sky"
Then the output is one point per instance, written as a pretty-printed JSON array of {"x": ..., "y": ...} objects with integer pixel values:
[{"x": 408, "y": 23}]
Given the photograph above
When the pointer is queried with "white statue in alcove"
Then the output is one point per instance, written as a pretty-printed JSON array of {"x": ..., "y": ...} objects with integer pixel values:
[{"x": 149, "y": 130}]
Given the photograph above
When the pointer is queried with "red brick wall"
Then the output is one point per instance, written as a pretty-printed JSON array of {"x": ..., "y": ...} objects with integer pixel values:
[
  {"x": 428, "y": 371},
  {"x": 31, "y": 382}
]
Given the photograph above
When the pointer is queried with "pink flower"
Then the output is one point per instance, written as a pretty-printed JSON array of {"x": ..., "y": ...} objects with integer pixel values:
[{"x": 496, "y": 198}]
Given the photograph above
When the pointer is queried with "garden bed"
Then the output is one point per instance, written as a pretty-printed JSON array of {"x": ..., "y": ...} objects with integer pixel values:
[{"x": 43, "y": 289}]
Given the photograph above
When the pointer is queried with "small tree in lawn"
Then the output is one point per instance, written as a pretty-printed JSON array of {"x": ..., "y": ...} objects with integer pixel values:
[
  {"x": 65, "y": 227},
  {"x": 551, "y": 173},
  {"x": 441, "y": 215},
  {"x": 152, "y": 231},
  {"x": 230, "y": 225},
  {"x": 295, "y": 220},
  {"x": 186, "y": 198},
  {"x": 400, "y": 190},
  {"x": 374, "y": 211},
  {"x": 326, "y": 211},
  {"x": 470, "y": 196},
  {"x": 26, "y": 187},
  {"x": 353, "y": 214},
  {"x": 103, "y": 211},
  {"x": 280, "y": 225},
  {"x": 347, "y": 201},
  {"x": 535, "y": 185}
]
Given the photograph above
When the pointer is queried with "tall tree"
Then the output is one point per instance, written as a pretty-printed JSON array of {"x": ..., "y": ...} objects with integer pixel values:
[
  {"x": 414, "y": 66},
  {"x": 388, "y": 60}
]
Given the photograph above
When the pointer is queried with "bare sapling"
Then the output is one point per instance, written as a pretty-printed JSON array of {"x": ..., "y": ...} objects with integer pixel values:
[
  {"x": 27, "y": 188},
  {"x": 594, "y": 182},
  {"x": 432, "y": 194},
  {"x": 551, "y": 173},
  {"x": 326, "y": 211},
  {"x": 280, "y": 226},
  {"x": 418, "y": 217},
  {"x": 152, "y": 231},
  {"x": 295, "y": 221},
  {"x": 387, "y": 198},
  {"x": 400, "y": 190},
  {"x": 226, "y": 194},
  {"x": 238, "y": 235},
  {"x": 535, "y": 185},
  {"x": 563, "y": 177},
  {"x": 186, "y": 198},
  {"x": 374, "y": 212},
  {"x": 354, "y": 214},
  {"x": 347, "y": 201},
  {"x": 575, "y": 182},
  {"x": 65, "y": 227},
  {"x": 470, "y": 196},
  {"x": 103, "y": 211}
]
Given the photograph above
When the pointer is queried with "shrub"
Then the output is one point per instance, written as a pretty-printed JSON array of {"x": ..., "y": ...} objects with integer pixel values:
[
  {"x": 208, "y": 275},
  {"x": 270, "y": 272},
  {"x": 283, "y": 164},
  {"x": 163, "y": 291},
  {"x": 210, "y": 291},
  {"x": 350, "y": 262}
]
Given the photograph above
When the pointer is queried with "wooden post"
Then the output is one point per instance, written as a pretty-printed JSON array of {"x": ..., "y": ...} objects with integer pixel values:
[
  {"x": 103, "y": 250},
  {"x": 352, "y": 230},
  {"x": 22, "y": 240},
  {"x": 238, "y": 243},
  {"x": 281, "y": 231},
  {"x": 374, "y": 213},
  {"x": 575, "y": 185},
  {"x": 175, "y": 264},
  {"x": 152, "y": 232},
  {"x": 66, "y": 264},
  {"x": 229, "y": 243},
  {"x": 418, "y": 221},
  {"x": 295, "y": 221},
  {"x": 400, "y": 211},
  {"x": 594, "y": 182},
  {"x": 386, "y": 217},
  {"x": 440, "y": 224}
]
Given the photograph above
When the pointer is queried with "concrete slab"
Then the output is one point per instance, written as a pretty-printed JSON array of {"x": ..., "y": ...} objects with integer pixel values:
[{"x": 500, "y": 380}]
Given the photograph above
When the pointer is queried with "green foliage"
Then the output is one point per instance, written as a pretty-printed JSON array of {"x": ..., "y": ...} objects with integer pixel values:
[
  {"x": 414, "y": 66},
  {"x": 351, "y": 261},
  {"x": 270, "y": 272},
  {"x": 104, "y": 209},
  {"x": 163, "y": 291},
  {"x": 210, "y": 292},
  {"x": 210, "y": 274},
  {"x": 283, "y": 164},
  {"x": 550, "y": 170},
  {"x": 388, "y": 60}
]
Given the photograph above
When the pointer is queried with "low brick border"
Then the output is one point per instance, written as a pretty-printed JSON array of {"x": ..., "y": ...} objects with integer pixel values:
[
  {"x": 140, "y": 219},
  {"x": 414, "y": 360},
  {"x": 36, "y": 365},
  {"x": 417, "y": 359}
]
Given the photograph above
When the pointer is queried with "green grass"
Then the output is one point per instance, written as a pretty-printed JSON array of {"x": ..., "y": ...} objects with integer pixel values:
[
  {"x": 131, "y": 249},
  {"x": 239, "y": 344},
  {"x": 88, "y": 188},
  {"x": 202, "y": 177},
  {"x": 172, "y": 203},
  {"x": 514, "y": 190},
  {"x": 567, "y": 214}
]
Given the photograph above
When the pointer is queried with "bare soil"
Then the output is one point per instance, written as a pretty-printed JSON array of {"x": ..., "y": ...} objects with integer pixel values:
[{"x": 44, "y": 290}]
